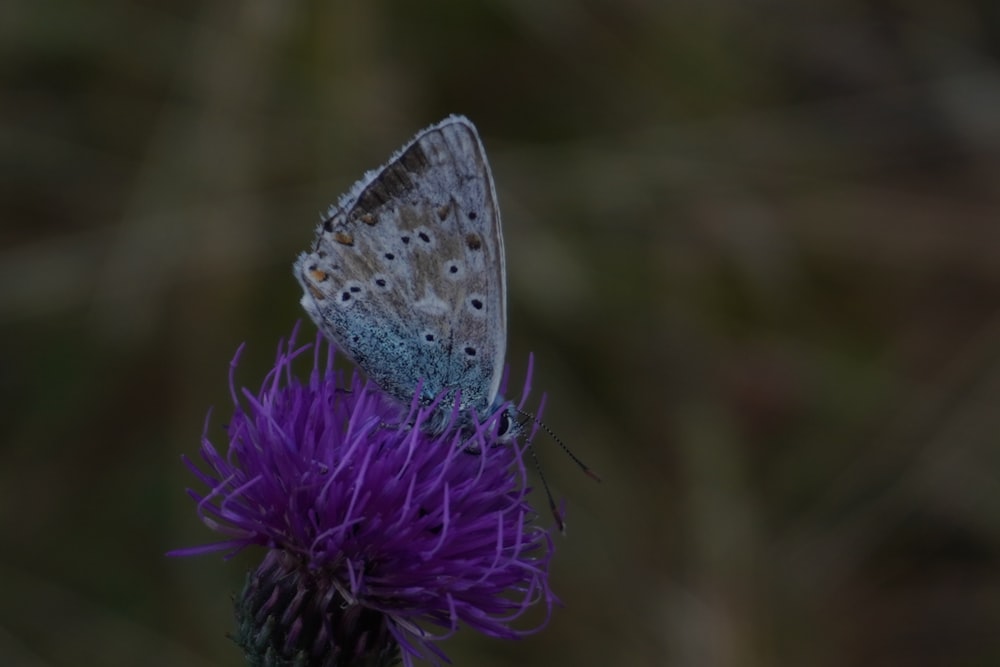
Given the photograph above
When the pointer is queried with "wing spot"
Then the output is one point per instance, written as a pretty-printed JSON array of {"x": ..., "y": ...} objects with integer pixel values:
[
  {"x": 473, "y": 242},
  {"x": 345, "y": 296},
  {"x": 389, "y": 256},
  {"x": 453, "y": 269},
  {"x": 429, "y": 338},
  {"x": 317, "y": 275},
  {"x": 443, "y": 213},
  {"x": 380, "y": 282},
  {"x": 328, "y": 225},
  {"x": 477, "y": 304},
  {"x": 405, "y": 239},
  {"x": 471, "y": 351},
  {"x": 423, "y": 237},
  {"x": 355, "y": 289},
  {"x": 473, "y": 215},
  {"x": 343, "y": 238},
  {"x": 368, "y": 219}
]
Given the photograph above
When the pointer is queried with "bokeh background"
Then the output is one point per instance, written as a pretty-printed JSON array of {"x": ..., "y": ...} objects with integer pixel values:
[{"x": 755, "y": 247}]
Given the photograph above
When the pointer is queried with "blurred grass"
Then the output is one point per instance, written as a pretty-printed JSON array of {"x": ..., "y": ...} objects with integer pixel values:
[{"x": 754, "y": 246}]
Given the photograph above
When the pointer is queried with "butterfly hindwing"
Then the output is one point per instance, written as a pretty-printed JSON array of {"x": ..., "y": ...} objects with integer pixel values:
[{"x": 407, "y": 272}]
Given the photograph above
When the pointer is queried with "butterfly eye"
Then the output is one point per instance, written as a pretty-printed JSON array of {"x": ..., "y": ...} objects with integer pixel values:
[{"x": 503, "y": 424}]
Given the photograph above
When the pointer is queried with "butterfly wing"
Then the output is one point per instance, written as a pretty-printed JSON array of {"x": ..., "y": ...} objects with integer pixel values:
[{"x": 407, "y": 273}]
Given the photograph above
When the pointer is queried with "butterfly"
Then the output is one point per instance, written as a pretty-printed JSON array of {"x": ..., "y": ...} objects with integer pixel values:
[{"x": 407, "y": 274}]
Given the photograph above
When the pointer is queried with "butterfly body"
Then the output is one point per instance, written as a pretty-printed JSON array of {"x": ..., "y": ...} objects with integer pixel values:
[{"x": 407, "y": 272}]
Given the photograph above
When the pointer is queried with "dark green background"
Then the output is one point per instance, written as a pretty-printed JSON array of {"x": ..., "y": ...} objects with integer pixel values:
[{"x": 754, "y": 245}]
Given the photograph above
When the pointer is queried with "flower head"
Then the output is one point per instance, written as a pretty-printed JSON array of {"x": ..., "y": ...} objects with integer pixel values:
[{"x": 382, "y": 535}]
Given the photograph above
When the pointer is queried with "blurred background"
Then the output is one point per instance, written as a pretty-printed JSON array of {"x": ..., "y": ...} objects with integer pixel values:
[{"x": 755, "y": 247}]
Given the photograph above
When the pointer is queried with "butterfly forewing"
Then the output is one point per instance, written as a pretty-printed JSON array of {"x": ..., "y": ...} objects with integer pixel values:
[{"x": 407, "y": 271}]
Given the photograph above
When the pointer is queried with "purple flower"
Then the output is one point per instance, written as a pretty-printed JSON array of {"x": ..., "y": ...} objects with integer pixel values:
[{"x": 382, "y": 536}]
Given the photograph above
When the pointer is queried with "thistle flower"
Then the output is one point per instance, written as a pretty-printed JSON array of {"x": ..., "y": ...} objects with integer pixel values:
[{"x": 382, "y": 537}]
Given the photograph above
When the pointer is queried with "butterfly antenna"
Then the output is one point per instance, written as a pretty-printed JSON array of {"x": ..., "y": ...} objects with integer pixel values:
[
  {"x": 556, "y": 514},
  {"x": 576, "y": 459}
]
